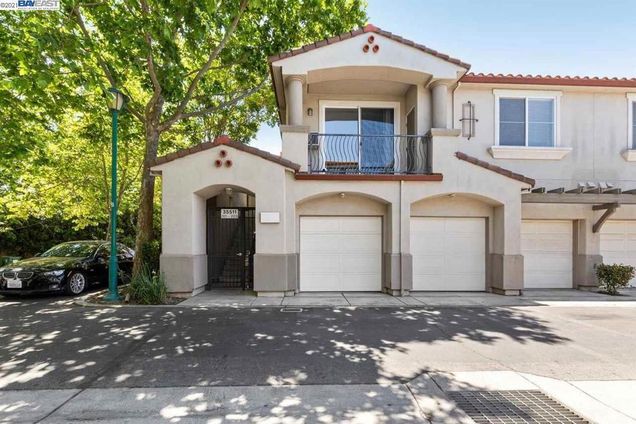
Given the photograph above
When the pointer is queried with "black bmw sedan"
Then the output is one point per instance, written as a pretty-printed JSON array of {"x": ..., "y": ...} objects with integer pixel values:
[{"x": 68, "y": 267}]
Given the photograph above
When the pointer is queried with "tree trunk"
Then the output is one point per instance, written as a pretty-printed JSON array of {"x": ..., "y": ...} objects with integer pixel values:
[{"x": 147, "y": 192}]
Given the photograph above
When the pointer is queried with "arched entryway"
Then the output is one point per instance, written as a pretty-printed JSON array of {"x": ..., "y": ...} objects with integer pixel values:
[{"x": 231, "y": 239}]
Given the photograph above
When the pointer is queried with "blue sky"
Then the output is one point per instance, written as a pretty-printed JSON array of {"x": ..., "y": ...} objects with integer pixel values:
[{"x": 555, "y": 37}]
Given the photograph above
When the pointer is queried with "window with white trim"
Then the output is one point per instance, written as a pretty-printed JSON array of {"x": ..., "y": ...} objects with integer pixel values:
[{"x": 527, "y": 121}]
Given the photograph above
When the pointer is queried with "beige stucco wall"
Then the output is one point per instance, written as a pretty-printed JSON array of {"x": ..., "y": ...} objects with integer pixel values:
[
  {"x": 189, "y": 181},
  {"x": 186, "y": 185},
  {"x": 593, "y": 122}
]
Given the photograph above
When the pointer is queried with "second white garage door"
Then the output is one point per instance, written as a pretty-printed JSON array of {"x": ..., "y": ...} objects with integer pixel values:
[
  {"x": 618, "y": 243},
  {"x": 546, "y": 247},
  {"x": 449, "y": 254},
  {"x": 340, "y": 253}
]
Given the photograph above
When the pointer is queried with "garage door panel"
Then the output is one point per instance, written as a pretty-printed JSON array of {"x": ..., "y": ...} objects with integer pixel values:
[
  {"x": 360, "y": 224},
  {"x": 319, "y": 226},
  {"x": 448, "y": 253},
  {"x": 428, "y": 226},
  {"x": 311, "y": 243},
  {"x": 428, "y": 265},
  {"x": 315, "y": 263},
  {"x": 458, "y": 245},
  {"x": 340, "y": 253},
  {"x": 367, "y": 264},
  {"x": 468, "y": 262},
  {"x": 357, "y": 243},
  {"x": 546, "y": 247},
  {"x": 428, "y": 245}
]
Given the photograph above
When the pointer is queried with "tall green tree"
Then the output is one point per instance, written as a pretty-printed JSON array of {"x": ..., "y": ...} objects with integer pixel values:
[{"x": 189, "y": 67}]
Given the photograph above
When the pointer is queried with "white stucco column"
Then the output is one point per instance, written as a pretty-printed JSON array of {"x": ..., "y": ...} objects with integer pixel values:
[
  {"x": 424, "y": 109},
  {"x": 441, "y": 103},
  {"x": 295, "y": 100}
]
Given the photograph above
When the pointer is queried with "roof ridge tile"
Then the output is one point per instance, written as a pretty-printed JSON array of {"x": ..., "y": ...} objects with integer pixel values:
[
  {"x": 574, "y": 80},
  {"x": 499, "y": 170},
  {"x": 224, "y": 140}
]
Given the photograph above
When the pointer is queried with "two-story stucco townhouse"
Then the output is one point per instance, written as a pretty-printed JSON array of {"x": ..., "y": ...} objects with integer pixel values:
[{"x": 400, "y": 171}]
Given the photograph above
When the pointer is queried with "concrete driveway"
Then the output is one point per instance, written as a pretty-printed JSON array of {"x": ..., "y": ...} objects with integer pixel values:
[{"x": 53, "y": 344}]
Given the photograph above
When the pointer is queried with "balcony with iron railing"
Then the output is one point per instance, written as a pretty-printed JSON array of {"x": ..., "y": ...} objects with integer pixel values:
[{"x": 360, "y": 154}]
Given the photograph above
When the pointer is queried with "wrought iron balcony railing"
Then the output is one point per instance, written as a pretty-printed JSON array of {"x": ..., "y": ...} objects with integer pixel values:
[{"x": 369, "y": 154}]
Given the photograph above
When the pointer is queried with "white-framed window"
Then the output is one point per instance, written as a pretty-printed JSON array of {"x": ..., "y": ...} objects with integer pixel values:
[
  {"x": 631, "y": 121},
  {"x": 527, "y": 118}
]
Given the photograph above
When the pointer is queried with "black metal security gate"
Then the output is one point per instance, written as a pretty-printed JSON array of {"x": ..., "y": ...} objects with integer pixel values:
[{"x": 231, "y": 244}]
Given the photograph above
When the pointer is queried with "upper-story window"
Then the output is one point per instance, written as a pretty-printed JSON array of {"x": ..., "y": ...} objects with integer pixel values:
[
  {"x": 526, "y": 119},
  {"x": 526, "y": 122}
]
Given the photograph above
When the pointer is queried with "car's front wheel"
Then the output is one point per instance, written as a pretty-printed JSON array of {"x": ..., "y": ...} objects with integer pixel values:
[{"x": 76, "y": 283}]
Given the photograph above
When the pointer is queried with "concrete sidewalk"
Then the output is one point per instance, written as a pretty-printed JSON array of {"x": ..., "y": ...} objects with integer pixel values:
[
  {"x": 563, "y": 297},
  {"x": 422, "y": 400}
]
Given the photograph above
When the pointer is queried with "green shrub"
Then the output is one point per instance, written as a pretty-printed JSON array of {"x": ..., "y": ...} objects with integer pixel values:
[
  {"x": 150, "y": 252},
  {"x": 612, "y": 277},
  {"x": 148, "y": 288}
]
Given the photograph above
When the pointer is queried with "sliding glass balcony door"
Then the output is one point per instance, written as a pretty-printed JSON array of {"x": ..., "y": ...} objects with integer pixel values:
[{"x": 358, "y": 139}]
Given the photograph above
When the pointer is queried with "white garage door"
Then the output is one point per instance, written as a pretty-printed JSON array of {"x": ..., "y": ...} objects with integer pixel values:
[
  {"x": 546, "y": 247},
  {"x": 340, "y": 253},
  {"x": 618, "y": 243},
  {"x": 449, "y": 254}
]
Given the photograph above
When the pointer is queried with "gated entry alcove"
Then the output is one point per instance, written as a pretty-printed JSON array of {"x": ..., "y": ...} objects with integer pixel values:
[{"x": 231, "y": 239}]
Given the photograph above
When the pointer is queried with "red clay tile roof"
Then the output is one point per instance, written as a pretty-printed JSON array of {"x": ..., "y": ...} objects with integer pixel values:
[
  {"x": 549, "y": 80},
  {"x": 495, "y": 168},
  {"x": 225, "y": 140},
  {"x": 367, "y": 28}
]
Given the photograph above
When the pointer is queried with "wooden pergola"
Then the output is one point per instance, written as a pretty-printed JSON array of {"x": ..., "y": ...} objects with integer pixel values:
[{"x": 601, "y": 197}]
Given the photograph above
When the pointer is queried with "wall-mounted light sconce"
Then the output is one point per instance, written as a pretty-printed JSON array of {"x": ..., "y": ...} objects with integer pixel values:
[{"x": 310, "y": 112}]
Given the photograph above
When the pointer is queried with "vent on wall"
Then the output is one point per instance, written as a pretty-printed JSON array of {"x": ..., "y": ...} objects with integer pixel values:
[{"x": 468, "y": 120}]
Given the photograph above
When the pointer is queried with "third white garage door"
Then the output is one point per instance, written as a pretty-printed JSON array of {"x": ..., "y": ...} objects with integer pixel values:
[
  {"x": 618, "y": 243},
  {"x": 546, "y": 247},
  {"x": 449, "y": 254},
  {"x": 340, "y": 253}
]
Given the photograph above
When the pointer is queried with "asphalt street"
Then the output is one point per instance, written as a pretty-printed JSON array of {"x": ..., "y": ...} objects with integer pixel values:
[{"x": 50, "y": 343}]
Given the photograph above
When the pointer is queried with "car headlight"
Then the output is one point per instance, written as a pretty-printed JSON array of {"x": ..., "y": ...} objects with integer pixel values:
[{"x": 57, "y": 273}]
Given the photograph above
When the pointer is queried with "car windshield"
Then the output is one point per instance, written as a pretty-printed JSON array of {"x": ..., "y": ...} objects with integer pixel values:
[{"x": 71, "y": 250}]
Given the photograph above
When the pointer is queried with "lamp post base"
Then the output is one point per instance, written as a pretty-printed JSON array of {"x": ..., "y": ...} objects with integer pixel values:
[{"x": 112, "y": 297}]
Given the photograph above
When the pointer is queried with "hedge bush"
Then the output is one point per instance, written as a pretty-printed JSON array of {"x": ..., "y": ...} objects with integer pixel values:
[{"x": 613, "y": 277}]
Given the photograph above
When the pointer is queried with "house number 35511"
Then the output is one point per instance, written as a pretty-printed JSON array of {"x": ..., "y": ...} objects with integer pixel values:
[{"x": 229, "y": 213}]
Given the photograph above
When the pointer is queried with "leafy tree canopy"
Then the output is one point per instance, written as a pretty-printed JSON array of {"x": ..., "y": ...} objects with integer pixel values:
[{"x": 193, "y": 69}]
